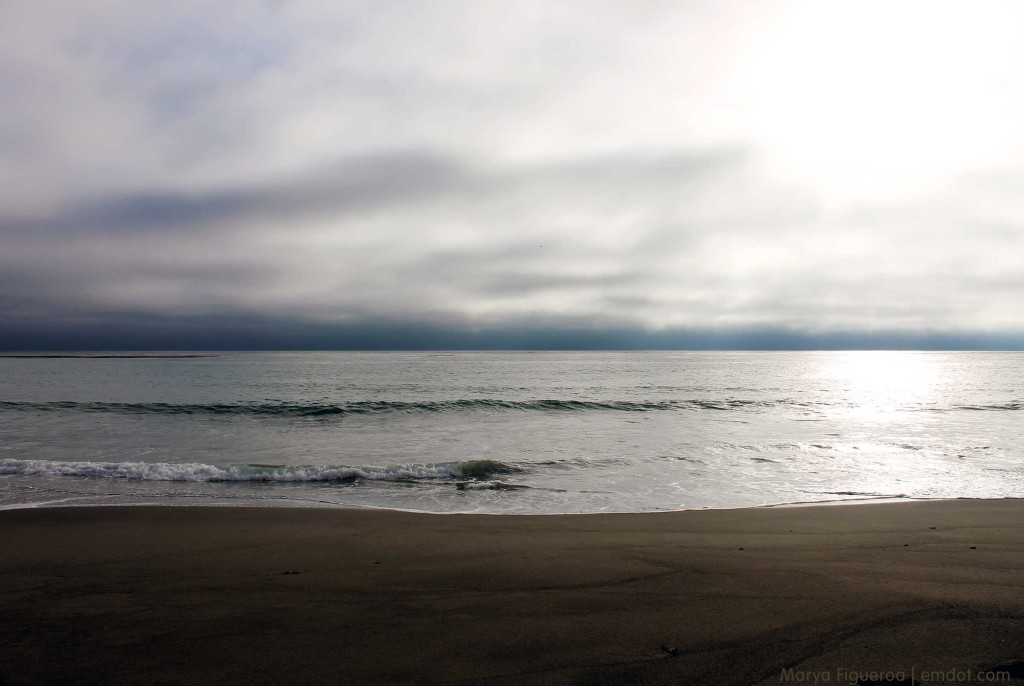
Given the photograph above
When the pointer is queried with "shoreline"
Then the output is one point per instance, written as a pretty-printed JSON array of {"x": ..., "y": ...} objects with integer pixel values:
[
  {"x": 268, "y": 595},
  {"x": 319, "y": 505}
]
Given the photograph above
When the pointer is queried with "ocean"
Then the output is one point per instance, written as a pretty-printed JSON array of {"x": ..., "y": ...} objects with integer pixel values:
[{"x": 510, "y": 432}]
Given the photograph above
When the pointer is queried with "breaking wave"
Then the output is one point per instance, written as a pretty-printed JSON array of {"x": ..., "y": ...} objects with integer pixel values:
[{"x": 476, "y": 470}]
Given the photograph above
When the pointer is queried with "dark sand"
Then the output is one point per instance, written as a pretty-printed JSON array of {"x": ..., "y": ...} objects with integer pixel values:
[{"x": 143, "y": 595}]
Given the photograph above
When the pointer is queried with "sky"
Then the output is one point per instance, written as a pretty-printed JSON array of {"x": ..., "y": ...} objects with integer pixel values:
[{"x": 577, "y": 174}]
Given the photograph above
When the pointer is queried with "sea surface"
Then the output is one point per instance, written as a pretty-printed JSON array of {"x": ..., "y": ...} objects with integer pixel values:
[{"x": 514, "y": 432}]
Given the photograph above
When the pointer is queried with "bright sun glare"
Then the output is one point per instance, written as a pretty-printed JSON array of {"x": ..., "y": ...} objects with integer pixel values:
[
  {"x": 881, "y": 383},
  {"x": 869, "y": 98}
]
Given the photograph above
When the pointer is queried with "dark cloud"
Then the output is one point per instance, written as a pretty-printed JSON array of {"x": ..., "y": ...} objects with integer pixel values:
[
  {"x": 148, "y": 332},
  {"x": 349, "y": 186},
  {"x": 365, "y": 184},
  {"x": 187, "y": 250}
]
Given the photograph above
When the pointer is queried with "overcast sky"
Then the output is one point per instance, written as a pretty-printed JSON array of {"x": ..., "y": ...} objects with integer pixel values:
[{"x": 396, "y": 174}]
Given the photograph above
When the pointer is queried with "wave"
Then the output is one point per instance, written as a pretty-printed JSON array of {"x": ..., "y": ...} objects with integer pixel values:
[
  {"x": 474, "y": 470},
  {"x": 377, "y": 407},
  {"x": 996, "y": 407},
  {"x": 385, "y": 407}
]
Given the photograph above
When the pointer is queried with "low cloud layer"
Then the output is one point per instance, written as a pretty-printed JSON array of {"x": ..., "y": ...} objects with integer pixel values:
[{"x": 219, "y": 174}]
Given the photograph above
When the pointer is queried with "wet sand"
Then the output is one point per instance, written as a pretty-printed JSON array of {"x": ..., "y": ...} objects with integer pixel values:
[{"x": 148, "y": 595}]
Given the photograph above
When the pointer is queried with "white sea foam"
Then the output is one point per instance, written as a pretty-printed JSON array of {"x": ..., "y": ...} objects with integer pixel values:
[{"x": 197, "y": 472}]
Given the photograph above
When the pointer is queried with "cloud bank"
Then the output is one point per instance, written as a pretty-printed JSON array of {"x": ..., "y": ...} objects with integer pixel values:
[{"x": 483, "y": 174}]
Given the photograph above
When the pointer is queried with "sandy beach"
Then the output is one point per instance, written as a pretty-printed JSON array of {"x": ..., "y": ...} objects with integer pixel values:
[{"x": 181, "y": 595}]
